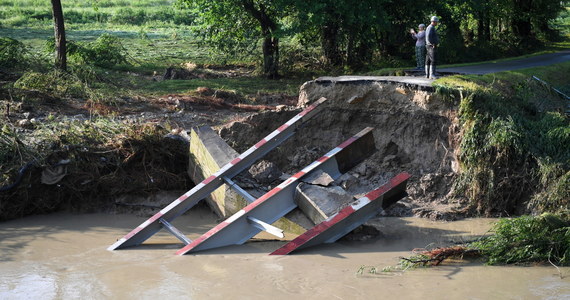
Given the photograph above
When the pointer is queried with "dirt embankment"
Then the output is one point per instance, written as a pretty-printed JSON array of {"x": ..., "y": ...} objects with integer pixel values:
[
  {"x": 414, "y": 131},
  {"x": 74, "y": 154}
]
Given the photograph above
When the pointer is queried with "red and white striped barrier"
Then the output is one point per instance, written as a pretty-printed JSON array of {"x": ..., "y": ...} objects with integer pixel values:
[
  {"x": 208, "y": 185},
  {"x": 280, "y": 200},
  {"x": 352, "y": 216}
]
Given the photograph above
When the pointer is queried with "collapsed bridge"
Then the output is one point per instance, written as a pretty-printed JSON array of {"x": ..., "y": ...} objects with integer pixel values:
[{"x": 292, "y": 206}]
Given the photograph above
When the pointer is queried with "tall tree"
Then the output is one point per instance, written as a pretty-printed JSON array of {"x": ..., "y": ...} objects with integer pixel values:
[
  {"x": 59, "y": 32},
  {"x": 346, "y": 30},
  {"x": 233, "y": 25}
]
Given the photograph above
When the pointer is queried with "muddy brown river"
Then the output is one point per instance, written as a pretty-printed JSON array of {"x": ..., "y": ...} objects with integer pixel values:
[{"x": 64, "y": 256}]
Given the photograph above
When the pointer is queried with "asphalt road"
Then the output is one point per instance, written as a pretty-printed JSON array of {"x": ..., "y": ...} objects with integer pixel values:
[
  {"x": 522, "y": 63},
  {"x": 480, "y": 69}
]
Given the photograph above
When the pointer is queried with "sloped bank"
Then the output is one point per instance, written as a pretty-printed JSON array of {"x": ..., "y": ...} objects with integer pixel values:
[
  {"x": 492, "y": 145},
  {"x": 415, "y": 131}
]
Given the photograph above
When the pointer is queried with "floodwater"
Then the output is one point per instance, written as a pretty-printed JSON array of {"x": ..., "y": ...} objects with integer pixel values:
[{"x": 64, "y": 256}]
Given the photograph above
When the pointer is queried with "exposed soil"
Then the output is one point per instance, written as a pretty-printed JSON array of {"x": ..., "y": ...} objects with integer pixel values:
[{"x": 412, "y": 134}]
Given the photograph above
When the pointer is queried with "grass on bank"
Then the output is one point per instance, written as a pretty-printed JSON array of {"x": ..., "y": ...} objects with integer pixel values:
[{"x": 514, "y": 147}]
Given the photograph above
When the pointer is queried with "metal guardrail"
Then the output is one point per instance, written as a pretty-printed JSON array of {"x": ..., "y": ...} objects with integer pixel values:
[
  {"x": 276, "y": 203},
  {"x": 561, "y": 94},
  {"x": 179, "y": 206}
]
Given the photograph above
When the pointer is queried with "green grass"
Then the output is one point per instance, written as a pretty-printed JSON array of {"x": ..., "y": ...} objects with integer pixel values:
[
  {"x": 514, "y": 148},
  {"x": 241, "y": 85},
  {"x": 527, "y": 239},
  {"x": 156, "y": 33}
]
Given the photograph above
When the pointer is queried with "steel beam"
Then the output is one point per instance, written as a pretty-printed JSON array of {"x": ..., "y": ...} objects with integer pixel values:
[
  {"x": 280, "y": 200},
  {"x": 175, "y": 231},
  {"x": 266, "y": 227},
  {"x": 208, "y": 185},
  {"x": 247, "y": 196},
  {"x": 352, "y": 216}
]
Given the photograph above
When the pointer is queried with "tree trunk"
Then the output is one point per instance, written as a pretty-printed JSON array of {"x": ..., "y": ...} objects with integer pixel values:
[
  {"x": 521, "y": 24},
  {"x": 480, "y": 31},
  {"x": 270, "y": 44},
  {"x": 330, "y": 38},
  {"x": 483, "y": 28},
  {"x": 59, "y": 32},
  {"x": 271, "y": 57},
  {"x": 329, "y": 42}
]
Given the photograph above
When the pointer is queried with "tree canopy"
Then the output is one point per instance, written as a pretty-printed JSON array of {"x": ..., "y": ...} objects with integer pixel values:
[{"x": 352, "y": 34}]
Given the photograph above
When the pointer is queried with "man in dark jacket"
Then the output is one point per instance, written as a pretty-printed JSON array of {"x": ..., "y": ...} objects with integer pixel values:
[{"x": 432, "y": 41}]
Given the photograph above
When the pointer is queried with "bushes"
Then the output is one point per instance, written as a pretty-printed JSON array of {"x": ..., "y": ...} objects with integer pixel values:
[
  {"x": 528, "y": 239},
  {"x": 55, "y": 83},
  {"x": 13, "y": 54},
  {"x": 513, "y": 152},
  {"x": 106, "y": 51}
]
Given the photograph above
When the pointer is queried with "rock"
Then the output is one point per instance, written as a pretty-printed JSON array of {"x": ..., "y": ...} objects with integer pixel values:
[
  {"x": 303, "y": 157},
  {"x": 319, "y": 177},
  {"x": 265, "y": 172},
  {"x": 361, "y": 169},
  {"x": 319, "y": 203},
  {"x": 25, "y": 123},
  {"x": 346, "y": 181},
  {"x": 389, "y": 158}
]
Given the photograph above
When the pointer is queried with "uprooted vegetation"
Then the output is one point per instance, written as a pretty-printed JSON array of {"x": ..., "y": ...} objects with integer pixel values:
[
  {"x": 84, "y": 164},
  {"x": 525, "y": 240}
]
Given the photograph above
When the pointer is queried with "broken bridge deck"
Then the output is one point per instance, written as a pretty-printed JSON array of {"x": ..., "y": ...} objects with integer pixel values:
[
  {"x": 350, "y": 217},
  {"x": 239, "y": 228},
  {"x": 208, "y": 185}
]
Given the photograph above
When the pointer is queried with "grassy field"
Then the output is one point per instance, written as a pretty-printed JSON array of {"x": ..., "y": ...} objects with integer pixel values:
[
  {"x": 158, "y": 34},
  {"x": 155, "y": 34}
]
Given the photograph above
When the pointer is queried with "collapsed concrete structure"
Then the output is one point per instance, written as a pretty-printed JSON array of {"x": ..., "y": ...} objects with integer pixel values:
[
  {"x": 412, "y": 130},
  {"x": 415, "y": 130}
]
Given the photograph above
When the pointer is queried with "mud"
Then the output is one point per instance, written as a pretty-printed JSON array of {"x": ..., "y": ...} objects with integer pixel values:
[
  {"x": 415, "y": 131},
  {"x": 64, "y": 256}
]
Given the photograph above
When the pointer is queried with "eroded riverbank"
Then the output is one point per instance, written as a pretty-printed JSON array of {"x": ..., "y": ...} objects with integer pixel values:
[{"x": 64, "y": 256}]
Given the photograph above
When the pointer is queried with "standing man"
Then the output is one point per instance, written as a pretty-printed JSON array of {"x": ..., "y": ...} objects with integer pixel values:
[
  {"x": 432, "y": 41},
  {"x": 420, "y": 38}
]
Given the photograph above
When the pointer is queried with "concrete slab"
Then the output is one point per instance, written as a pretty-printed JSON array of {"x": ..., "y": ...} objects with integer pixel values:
[
  {"x": 350, "y": 217},
  {"x": 319, "y": 203},
  {"x": 420, "y": 83},
  {"x": 208, "y": 153},
  {"x": 319, "y": 178}
]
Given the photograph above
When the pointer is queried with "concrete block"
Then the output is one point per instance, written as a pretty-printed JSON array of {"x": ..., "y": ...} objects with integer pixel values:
[
  {"x": 208, "y": 153},
  {"x": 318, "y": 177},
  {"x": 319, "y": 203}
]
